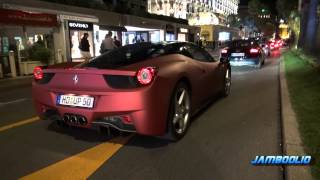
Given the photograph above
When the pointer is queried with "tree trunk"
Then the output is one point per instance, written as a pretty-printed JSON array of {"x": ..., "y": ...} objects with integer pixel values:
[
  {"x": 311, "y": 30},
  {"x": 303, "y": 22}
]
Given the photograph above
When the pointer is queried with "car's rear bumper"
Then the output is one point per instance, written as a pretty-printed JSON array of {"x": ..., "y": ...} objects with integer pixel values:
[
  {"x": 244, "y": 61},
  {"x": 141, "y": 110}
]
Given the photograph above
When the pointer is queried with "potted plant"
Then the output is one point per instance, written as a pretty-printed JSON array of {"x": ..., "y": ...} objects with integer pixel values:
[{"x": 37, "y": 55}]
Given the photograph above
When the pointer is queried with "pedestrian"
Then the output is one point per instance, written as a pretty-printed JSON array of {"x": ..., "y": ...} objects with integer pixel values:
[
  {"x": 116, "y": 41},
  {"x": 84, "y": 47},
  {"x": 200, "y": 42},
  {"x": 107, "y": 44}
]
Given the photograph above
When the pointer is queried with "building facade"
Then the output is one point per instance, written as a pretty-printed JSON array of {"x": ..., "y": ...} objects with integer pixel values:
[
  {"x": 59, "y": 28},
  {"x": 198, "y": 12}
]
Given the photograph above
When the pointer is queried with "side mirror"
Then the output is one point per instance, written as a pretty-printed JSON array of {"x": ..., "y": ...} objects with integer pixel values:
[{"x": 223, "y": 60}]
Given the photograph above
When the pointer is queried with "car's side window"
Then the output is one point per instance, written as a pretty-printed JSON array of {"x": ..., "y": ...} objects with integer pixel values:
[
  {"x": 200, "y": 54},
  {"x": 208, "y": 56}
]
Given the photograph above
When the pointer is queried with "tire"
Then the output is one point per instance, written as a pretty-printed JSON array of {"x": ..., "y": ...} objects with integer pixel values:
[
  {"x": 179, "y": 112},
  {"x": 226, "y": 83},
  {"x": 259, "y": 65}
]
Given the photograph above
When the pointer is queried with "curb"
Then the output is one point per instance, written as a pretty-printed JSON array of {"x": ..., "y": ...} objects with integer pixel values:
[{"x": 292, "y": 143}]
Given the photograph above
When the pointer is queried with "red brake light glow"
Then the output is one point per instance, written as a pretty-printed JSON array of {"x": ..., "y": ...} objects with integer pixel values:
[
  {"x": 38, "y": 73},
  {"x": 224, "y": 51},
  {"x": 253, "y": 50},
  {"x": 146, "y": 75}
]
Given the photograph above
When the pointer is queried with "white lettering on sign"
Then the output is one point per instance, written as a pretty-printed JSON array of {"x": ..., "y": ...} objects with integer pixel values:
[
  {"x": 183, "y": 30},
  {"x": 78, "y": 25}
]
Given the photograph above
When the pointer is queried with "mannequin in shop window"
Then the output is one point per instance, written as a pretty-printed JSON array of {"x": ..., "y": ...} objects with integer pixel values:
[
  {"x": 107, "y": 44},
  {"x": 85, "y": 47}
]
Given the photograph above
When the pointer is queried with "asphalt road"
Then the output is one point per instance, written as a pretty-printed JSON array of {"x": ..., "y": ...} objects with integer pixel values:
[{"x": 220, "y": 143}]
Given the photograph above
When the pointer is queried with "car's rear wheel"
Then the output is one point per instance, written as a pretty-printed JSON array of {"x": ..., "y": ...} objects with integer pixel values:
[
  {"x": 227, "y": 83},
  {"x": 259, "y": 65},
  {"x": 179, "y": 112}
]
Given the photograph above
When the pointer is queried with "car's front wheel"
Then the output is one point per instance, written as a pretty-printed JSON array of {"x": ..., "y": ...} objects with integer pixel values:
[
  {"x": 179, "y": 112},
  {"x": 227, "y": 83}
]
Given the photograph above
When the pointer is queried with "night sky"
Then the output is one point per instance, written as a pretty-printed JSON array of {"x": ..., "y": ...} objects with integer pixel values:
[
  {"x": 270, "y": 3},
  {"x": 243, "y": 2}
]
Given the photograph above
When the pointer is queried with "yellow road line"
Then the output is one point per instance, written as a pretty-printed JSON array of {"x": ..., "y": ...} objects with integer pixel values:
[
  {"x": 20, "y": 123},
  {"x": 82, "y": 165}
]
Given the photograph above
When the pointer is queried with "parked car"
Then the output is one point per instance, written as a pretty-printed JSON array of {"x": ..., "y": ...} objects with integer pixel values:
[
  {"x": 244, "y": 52},
  {"x": 151, "y": 89}
]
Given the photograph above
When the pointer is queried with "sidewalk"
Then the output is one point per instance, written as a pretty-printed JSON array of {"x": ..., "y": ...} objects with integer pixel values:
[{"x": 292, "y": 143}]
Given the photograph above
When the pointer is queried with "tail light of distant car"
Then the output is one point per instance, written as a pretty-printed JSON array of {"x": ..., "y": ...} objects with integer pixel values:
[
  {"x": 254, "y": 51},
  {"x": 146, "y": 75},
  {"x": 224, "y": 51}
]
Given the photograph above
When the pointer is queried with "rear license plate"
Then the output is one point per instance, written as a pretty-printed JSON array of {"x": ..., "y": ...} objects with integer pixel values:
[
  {"x": 76, "y": 101},
  {"x": 237, "y": 54}
]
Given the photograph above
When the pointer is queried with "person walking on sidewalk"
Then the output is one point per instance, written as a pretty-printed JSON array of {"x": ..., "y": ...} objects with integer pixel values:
[
  {"x": 85, "y": 47},
  {"x": 107, "y": 44}
]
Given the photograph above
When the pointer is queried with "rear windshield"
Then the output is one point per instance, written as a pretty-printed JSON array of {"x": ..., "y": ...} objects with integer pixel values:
[
  {"x": 243, "y": 43},
  {"x": 131, "y": 54}
]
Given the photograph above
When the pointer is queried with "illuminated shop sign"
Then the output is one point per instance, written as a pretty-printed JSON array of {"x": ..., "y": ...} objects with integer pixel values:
[
  {"x": 8, "y": 16},
  {"x": 80, "y": 25},
  {"x": 184, "y": 30}
]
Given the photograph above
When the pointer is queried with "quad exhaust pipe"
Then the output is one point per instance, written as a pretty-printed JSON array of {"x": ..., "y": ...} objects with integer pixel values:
[{"x": 75, "y": 119}]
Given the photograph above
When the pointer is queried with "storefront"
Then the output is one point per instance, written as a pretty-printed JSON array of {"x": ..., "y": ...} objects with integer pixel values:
[
  {"x": 102, "y": 30},
  {"x": 29, "y": 35},
  {"x": 138, "y": 34},
  {"x": 170, "y": 34},
  {"x": 183, "y": 34},
  {"x": 77, "y": 30}
]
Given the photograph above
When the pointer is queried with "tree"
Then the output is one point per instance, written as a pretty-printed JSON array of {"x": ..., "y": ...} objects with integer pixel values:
[
  {"x": 233, "y": 20},
  {"x": 311, "y": 26},
  {"x": 256, "y": 10},
  {"x": 286, "y": 7}
]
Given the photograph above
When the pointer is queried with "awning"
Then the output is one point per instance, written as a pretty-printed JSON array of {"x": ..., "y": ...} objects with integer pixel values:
[
  {"x": 8, "y": 16},
  {"x": 112, "y": 28}
]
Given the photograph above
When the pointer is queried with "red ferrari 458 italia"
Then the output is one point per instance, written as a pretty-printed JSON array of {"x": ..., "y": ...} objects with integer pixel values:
[{"x": 151, "y": 89}]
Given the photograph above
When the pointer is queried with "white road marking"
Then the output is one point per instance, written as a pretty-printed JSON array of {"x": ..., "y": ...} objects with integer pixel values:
[{"x": 13, "y": 101}]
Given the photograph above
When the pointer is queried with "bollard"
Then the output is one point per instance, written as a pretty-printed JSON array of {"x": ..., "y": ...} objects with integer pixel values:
[
  {"x": 1, "y": 72},
  {"x": 12, "y": 64}
]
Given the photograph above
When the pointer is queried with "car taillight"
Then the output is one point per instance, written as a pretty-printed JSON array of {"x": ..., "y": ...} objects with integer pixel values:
[
  {"x": 253, "y": 50},
  {"x": 146, "y": 75},
  {"x": 38, "y": 73},
  {"x": 224, "y": 51}
]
